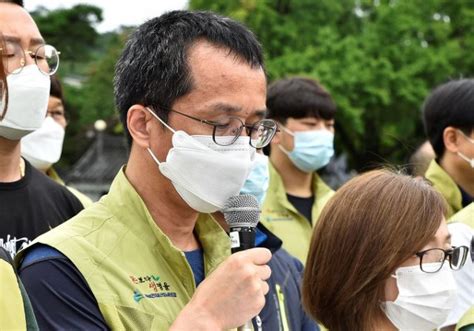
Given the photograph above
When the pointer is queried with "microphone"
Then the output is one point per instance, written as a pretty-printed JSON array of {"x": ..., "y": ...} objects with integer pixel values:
[{"x": 242, "y": 213}]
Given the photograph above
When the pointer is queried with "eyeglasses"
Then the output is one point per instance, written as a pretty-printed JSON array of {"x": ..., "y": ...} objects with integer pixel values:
[
  {"x": 14, "y": 58},
  {"x": 225, "y": 134},
  {"x": 432, "y": 260}
]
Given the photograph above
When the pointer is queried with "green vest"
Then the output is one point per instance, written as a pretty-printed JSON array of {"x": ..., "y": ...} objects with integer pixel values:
[
  {"x": 84, "y": 199},
  {"x": 282, "y": 218},
  {"x": 446, "y": 186},
  {"x": 12, "y": 315},
  {"x": 466, "y": 321},
  {"x": 16, "y": 312},
  {"x": 465, "y": 215},
  {"x": 140, "y": 279}
]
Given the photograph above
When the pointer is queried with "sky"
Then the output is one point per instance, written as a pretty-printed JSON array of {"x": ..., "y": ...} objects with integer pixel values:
[{"x": 116, "y": 13}]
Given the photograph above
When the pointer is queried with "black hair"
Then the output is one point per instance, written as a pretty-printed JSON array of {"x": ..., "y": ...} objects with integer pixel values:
[
  {"x": 16, "y": 2},
  {"x": 153, "y": 69},
  {"x": 450, "y": 104},
  {"x": 56, "y": 89},
  {"x": 299, "y": 97}
]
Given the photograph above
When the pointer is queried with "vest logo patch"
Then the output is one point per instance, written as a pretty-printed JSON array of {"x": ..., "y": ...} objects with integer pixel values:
[
  {"x": 278, "y": 216},
  {"x": 137, "y": 296},
  {"x": 159, "y": 288}
]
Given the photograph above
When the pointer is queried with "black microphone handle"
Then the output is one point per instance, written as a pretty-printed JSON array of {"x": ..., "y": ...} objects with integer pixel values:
[{"x": 242, "y": 238}]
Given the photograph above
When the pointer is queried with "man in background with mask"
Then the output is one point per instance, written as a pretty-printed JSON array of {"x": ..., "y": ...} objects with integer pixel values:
[
  {"x": 31, "y": 203},
  {"x": 305, "y": 112},
  {"x": 43, "y": 147},
  {"x": 448, "y": 116},
  {"x": 190, "y": 88}
]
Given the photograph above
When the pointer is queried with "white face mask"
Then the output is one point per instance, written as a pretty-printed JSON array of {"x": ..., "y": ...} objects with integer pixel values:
[
  {"x": 28, "y": 94},
  {"x": 43, "y": 147},
  {"x": 424, "y": 300},
  {"x": 203, "y": 173},
  {"x": 464, "y": 157}
]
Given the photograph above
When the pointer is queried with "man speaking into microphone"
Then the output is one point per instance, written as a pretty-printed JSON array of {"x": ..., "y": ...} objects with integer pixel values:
[{"x": 191, "y": 91}]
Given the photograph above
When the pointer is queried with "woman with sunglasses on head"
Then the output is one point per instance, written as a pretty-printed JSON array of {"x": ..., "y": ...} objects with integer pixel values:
[{"x": 381, "y": 257}]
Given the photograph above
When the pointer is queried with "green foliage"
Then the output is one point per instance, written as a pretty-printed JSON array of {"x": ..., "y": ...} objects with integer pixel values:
[
  {"x": 94, "y": 99},
  {"x": 379, "y": 59},
  {"x": 70, "y": 30},
  {"x": 98, "y": 97},
  {"x": 88, "y": 58}
]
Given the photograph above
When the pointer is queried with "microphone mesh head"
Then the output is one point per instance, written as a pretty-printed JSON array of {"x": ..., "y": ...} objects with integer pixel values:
[{"x": 242, "y": 211}]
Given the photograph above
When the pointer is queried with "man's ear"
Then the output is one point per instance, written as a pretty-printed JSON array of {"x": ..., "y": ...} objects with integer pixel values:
[
  {"x": 139, "y": 125},
  {"x": 451, "y": 139}
]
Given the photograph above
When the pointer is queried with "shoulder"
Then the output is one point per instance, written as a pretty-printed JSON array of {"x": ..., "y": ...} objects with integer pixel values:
[
  {"x": 288, "y": 261},
  {"x": 60, "y": 295},
  {"x": 465, "y": 215},
  {"x": 321, "y": 187},
  {"x": 84, "y": 199},
  {"x": 439, "y": 177},
  {"x": 42, "y": 185}
]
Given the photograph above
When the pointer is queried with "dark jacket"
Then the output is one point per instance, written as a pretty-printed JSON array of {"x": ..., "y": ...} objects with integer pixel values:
[{"x": 283, "y": 310}]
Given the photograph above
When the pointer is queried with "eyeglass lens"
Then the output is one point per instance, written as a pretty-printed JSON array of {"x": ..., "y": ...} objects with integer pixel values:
[
  {"x": 458, "y": 257},
  {"x": 260, "y": 134},
  {"x": 433, "y": 259},
  {"x": 46, "y": 57},
  {"x": 263, "y": 133}
]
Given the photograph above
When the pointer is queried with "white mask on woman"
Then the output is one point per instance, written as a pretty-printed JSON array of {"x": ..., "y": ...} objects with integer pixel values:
[
  {"x": 424, "y": 300},
  {"x": 203, "y": 173},
  {"x": 28, "y": 94}
]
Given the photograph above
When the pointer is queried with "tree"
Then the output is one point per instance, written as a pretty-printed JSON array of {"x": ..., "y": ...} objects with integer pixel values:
[
  {"x": 98, "y": 96},
  {"x": 72, "y": 30},
  {"x": 379, "y": 59},
  {"x": 94, "y": 99}
]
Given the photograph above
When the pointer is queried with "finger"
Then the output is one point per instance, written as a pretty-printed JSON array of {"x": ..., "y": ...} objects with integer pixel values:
[
  {"x": 263, "y": 272},
  {"x": 258, "y": 256},
  {"x": 265, "y": 287}
]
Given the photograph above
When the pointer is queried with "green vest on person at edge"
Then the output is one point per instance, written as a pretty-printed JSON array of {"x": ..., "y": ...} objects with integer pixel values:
[
  {"x": 445, "y": 185},
  {"x": 140, "y": 279},
  {"x": 282, "y": 218}
]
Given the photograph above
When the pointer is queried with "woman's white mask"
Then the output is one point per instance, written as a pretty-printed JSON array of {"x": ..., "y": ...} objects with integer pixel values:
[{"x": 424, "y": 300}]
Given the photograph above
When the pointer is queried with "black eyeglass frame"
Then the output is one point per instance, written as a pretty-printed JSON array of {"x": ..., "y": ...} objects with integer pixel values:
[
  {"x": 448, "y": 254},
  {"x": 248, "y": 128}
]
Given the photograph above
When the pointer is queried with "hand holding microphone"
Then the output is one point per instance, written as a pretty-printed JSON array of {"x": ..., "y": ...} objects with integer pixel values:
[
  {"x": 234, "y": 293},
  {"x": 242, "y": 213}
]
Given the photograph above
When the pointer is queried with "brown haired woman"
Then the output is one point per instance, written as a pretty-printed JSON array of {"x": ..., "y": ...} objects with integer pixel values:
[{"x": 378, "y": 257}]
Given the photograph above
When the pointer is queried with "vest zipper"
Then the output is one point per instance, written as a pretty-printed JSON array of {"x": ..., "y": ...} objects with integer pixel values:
[{"x": 281, "y": 302}]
